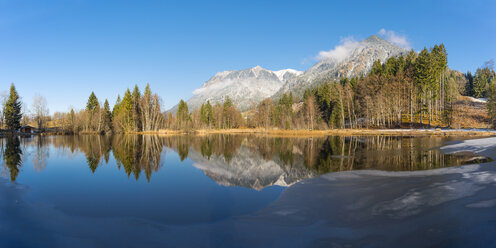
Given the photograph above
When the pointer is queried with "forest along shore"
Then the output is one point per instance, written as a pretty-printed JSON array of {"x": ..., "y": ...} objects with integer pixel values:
[{"x": 338, "y": 132}]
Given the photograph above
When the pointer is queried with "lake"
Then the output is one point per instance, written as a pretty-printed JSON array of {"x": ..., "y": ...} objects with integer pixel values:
[{"x": 152, "y": 191}]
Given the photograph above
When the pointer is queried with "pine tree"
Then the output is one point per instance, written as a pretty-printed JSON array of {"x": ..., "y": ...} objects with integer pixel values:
[
  {"x": 482, "y": 81},
  {"x": 72, "y": 121},
  {"x": 228, "y": 113},
  {"x": 136, "y": 97},
  {"x": 376, "y": 68},
  {"x": 12, "y": 110},
  {"x": 115, "y": 110},
  {"x": 424, "y": 76},
  {"x": 390, "y": 67},
  {"x": 92, "y": 103},
  {"x": 469, "y": 87},
  {"x": 107, "y": 116},
  {"x": 182, "y": 115},
  {"x": 208, "y": 114},
  {"x": 126, "y": 112},
  {"x": 92, "y": 107},
  {"x": 146, "y": 109}
]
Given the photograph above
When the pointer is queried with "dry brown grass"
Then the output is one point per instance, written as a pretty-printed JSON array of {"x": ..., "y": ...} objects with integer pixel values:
[
  {"x": 470, "y": 114},
  {"x": 336, "y": 132}
]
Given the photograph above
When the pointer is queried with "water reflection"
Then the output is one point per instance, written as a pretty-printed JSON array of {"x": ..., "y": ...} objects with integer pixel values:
[
  {"x": 40, "y": 155},
  {"x": 237, "y": 160},
  {"x": 11, "y": 153},
  {"x": 138, "y": 153}
]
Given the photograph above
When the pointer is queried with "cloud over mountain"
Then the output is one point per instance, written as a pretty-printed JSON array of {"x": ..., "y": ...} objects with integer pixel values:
[
  {"x": 397, "y": 39},
  {"x": 341, "y": 51}
]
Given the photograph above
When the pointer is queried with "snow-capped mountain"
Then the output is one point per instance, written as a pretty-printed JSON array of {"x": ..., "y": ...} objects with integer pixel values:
[
  {"x": 286, "y": 74},
  {"x": 246, "y": 88},
  {"x": 351, "y": 60}
]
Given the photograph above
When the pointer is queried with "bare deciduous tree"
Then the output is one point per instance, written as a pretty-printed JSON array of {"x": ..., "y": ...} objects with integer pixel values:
[
  {"x": 40, "y": 111},
  {"x": 3, "y": 100}
]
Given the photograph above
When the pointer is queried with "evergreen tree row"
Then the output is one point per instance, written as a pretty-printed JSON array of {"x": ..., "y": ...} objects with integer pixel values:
[{"x": 417, "y": 89}]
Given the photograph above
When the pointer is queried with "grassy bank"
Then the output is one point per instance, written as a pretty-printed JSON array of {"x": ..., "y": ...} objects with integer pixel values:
[
  {"x": 338, "y": 132},
  {"x": 307, "y": 133}
]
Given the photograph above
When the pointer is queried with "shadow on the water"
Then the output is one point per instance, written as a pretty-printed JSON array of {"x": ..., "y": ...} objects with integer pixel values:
[{"x": 242, "y": 160}]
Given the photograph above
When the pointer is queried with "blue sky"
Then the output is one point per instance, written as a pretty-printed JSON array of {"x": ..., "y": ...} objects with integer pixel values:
[{"x": 63, "y": 50}]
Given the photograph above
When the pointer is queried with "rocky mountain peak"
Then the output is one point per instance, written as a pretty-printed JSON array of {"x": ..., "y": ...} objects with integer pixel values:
[
  {"x": 357, "y": 60},
  {"x": 245, "y": 87},
  {"x": 250, "y": 86}
]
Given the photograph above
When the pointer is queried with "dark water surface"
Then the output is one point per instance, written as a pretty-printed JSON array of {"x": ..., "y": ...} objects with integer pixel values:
[{"x": 185, "y": 181}]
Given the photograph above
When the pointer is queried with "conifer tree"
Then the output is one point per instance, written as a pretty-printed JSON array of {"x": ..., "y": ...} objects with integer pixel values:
[
  {"x": 136, "y": 112},
  {"x": 92, "y": 103},
  {"x": 207, "y": 114},
  {"x": 126, "y": 111},
  {"x": 115, "y": 110},
  {"x": 107, "y": 118},
  {"x": 469, "y": 87},
  {"x": 146, "y": 107},
  {"x": 72, "y": 121},
  {"x": 182, "y": 114},
  {"x": 376, "y": 68},
  {"x": 424, "y": 77},
  {"x": 12, "y": 110},
  {"x": 227, "y": 113},
  {"x": 482, "y": 81},
  {"x": 92, "y": 107}
]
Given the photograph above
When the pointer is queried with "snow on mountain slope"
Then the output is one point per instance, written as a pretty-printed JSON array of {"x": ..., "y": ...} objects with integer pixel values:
[
  {"x": 246, "y": 87},
  {"x": 286, "y": 74},
  {"x": 349, "y": 60}
]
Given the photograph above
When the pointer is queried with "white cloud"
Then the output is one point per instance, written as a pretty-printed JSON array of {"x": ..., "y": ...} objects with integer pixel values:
[
  {"x": 393, "y": 37},
  {"x": 341, "y": 51}
]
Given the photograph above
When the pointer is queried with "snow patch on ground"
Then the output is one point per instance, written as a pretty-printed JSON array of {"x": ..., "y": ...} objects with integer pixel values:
[{"x": 478, "y": 100}]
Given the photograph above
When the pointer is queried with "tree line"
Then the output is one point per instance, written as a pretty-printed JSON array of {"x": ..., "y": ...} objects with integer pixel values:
[
  {"x": 134, "y": 112},
  {"x": 415, "y": 90}
]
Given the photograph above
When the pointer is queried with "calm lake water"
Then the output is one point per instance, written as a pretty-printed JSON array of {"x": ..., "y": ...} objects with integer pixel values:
[{"x": 190, "y": 180}]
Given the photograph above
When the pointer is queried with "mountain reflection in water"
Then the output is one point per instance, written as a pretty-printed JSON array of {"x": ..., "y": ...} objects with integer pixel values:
[{"x": 236, "y": 160}]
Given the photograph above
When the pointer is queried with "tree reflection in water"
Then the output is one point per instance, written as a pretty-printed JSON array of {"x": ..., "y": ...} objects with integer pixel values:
[
  {"x": 246, "y": 159},
  {"x": 11, "y": 154},
  {"x": 41, "y": 153}
]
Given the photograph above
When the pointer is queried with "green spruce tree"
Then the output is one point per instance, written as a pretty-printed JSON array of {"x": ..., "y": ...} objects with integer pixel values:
[
  {"x": 92, "y": 103},
  {"x": 12, "y": 110},
  {"x": 126, "y": 112},
  {"x": 182, "y": 115},
  {"x": 107, "y": 117}
]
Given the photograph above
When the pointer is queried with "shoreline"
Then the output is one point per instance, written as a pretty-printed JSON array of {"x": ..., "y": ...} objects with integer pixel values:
[
  {"x": 332, "y": 132},
  {"x": 304, "y": 133}
]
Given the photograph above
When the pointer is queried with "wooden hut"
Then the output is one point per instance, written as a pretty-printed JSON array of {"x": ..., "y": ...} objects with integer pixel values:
[{"x": 26, "y": 129}]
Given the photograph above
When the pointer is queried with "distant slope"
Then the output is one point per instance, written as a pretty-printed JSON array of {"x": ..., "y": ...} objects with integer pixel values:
[
  {"x": 246, "y": 88},
  {"x": 358, "y": 60}
]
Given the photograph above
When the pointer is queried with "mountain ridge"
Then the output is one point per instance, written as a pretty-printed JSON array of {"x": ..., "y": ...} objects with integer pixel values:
[
  {"x": 248, "y": 87},
  {"x": 244, "y": 87},
  {"x": 361, "y": 55}
]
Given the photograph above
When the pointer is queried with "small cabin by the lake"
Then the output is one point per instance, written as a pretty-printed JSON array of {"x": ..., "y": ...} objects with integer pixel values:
[{"x": 26, "y": 129}]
